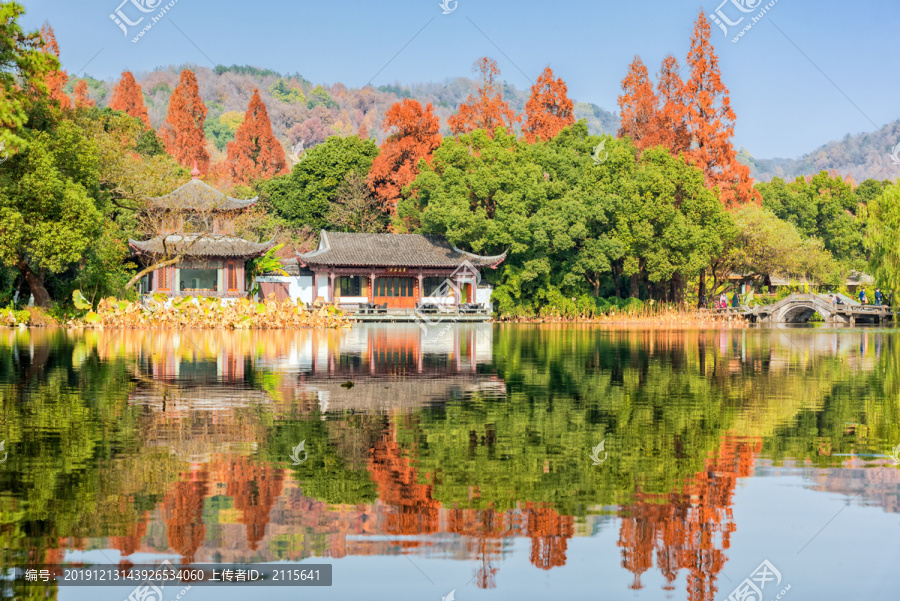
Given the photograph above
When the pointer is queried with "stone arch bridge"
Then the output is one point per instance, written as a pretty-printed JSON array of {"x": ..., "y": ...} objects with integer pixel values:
[{"x": 798, "y": 308}]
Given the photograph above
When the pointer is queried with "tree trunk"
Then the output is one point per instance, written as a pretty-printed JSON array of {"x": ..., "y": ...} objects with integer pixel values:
[
  {"x": 701, "y": 289},
  {"x": 34, "y": 281},
  {"x": 634, "y": 289},
  {"x": 678, "y": 289},
  {"x": 151, "y": 269},
  {"x": 616, "y": 281}
]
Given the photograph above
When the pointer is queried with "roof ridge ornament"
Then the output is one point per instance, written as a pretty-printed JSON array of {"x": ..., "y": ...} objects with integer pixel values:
[{"x": 195, "y": 173}]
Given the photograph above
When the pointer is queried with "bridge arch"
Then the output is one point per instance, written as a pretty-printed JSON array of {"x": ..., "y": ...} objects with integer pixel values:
[{"x": 799, "y": 312}]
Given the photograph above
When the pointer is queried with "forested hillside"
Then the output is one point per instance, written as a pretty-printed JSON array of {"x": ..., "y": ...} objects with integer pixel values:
[
  {"x": 867, "y": 155},
  {"x": 301, "y": 110}
]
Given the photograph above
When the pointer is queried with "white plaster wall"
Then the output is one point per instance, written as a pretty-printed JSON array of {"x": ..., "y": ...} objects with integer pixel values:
[
  {"x": 299, "y": 287},
  {"x": 438, "y": 300},
  {"x": 483, "y": 295}
]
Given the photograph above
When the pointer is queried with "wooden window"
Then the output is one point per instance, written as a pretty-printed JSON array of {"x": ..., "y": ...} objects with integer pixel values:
[
  {"x": 163, "y": 282},
  {"x": 231, "y": 271},
  {"x": 349, "y": 286},
  {"x": 433, "y": 286}
]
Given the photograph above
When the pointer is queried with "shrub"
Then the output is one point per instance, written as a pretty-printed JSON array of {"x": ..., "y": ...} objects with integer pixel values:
[{"x": 11, "y": 317}]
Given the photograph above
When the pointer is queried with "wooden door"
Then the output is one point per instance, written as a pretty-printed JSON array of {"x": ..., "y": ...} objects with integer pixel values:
[
  {"x": 279, "y": 289},
  {"x": 397, "y": 292}
]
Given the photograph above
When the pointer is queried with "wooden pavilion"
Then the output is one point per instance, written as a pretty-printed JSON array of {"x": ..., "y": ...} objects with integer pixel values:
[
  {"x": 196, "y": 223},
  {"x": 394, "y": 271}
]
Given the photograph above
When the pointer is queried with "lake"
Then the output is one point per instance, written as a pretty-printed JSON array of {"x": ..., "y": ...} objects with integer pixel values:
[{"x": 458, "y": 462}]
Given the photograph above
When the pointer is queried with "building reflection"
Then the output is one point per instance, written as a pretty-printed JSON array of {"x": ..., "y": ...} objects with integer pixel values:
[{"x": 205, "y": 405}]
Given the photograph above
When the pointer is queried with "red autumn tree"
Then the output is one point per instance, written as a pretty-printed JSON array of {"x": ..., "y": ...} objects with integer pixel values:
[
  {"x": 548, "y": 109},
  {"x": 128, "y": 98},
  {"x": 415, "y": 136},
  {"x": 255, "y": 153},
  {"x": 182, "y": 132},
  {"x": 710, "y": 122},
  {"x": 55, "y": 79},
  {"x": 488, "y": 111},
  {"x": 669, "y": 126},
  {"x": 637, "y": 105},
  {"x": 82, "y": 99}
]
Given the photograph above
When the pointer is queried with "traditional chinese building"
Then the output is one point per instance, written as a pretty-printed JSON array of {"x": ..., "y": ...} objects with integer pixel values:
[
  {"x": 197, "y": 223},
  {"x": 398, "y": 271}
]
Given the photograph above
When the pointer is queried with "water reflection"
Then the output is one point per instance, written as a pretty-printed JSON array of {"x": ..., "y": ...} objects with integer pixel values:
[{"x": 448, "y": 447}]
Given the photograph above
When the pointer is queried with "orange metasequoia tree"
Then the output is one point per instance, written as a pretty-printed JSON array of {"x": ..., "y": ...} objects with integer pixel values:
[
  {"x": 693, "y": 118},
  {"x": 488, "y": 111},
  {"x": 55, "y": 79},
  {"x": 637, "y": 105},
  {"x": 415, "y": 137},
  {"x": 710, "y": 122},
  {"x": 128, "y": 98},
  {"x": 182, "y": 132},
  {"x": 82, "y": 99},
  {"x": 255, "y": 153},
  {"x": 548, "y": 109},
  {"x": 669, "y": 125}
]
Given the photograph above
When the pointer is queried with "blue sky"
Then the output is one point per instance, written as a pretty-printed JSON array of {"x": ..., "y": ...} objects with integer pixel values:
[{"x": 806, "y": 73}]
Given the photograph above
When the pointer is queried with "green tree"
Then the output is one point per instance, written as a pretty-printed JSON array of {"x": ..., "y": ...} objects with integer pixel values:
[
  {"x": 280, "y": 90},
  {"x": 221, "y": 130},
  {"x": 825, "y": 207},
  {"x": 764, "y": 245},
  {"x": 22, "y": 66},
  {"x": 304, "y": 196},
  {"x": 573, "y": 213},
  {"x": 48, "y": 213},
  {"x": 883, "y": 238},
  {"x": 669, "y": 223},
  {"x": 319, "y": 95}
]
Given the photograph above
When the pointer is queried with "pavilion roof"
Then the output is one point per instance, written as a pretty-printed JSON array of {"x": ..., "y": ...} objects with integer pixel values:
[
  {"x": 200, "y": 196},
  {"x": 405, "y": 250},
  {"x": 209, "y": 245}
]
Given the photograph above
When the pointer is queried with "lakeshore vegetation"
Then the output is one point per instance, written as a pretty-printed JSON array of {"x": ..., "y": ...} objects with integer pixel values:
[{"x": 662, "y": 211}]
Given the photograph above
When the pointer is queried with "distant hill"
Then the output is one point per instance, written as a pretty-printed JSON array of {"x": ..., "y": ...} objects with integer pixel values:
[
  {"x": 863, "y": 156},
  {"x": 303, "y": 111}
]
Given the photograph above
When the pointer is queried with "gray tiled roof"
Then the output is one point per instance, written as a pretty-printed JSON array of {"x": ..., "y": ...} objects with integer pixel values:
[
  {"x": 211, "y": 245},
  {"x": 199, "y": 196},
  {"x": 407, "y": 250}
]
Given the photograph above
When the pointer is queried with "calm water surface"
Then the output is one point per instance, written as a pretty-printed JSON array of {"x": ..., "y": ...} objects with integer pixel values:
[{"x": 505, "y": 462}]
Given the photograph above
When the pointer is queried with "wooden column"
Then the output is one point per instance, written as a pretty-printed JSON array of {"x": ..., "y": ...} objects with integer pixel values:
[
  {"x": 372, "y": 287},
  {"x": 421, "y": 289},
  {"x": 331, "y": 287}
]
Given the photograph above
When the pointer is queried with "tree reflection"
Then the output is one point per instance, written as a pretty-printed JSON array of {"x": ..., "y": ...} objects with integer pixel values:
[
  {"x": 689, "y": 528},
  {"x": 451, "y": 449}
]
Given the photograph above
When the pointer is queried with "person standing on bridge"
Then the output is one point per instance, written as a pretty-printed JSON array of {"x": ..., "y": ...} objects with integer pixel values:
[
  {"x": 878, "y": 297},
  {"x": 723, "y": 301},
  {"x": 862, "y": 296},
  {"x": 736, "y": 300}
]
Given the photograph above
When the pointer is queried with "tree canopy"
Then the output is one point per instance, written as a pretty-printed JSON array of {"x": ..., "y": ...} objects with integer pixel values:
[
  {"x": 182, "y": 132},
  {"x": 128, "y": 98},
  {"x": 255, "y": 153},
  {"x": 304, "y": 196},
  {"x": 570, "y": 226},
  {"x": 414, "y": 137},
  {"x": 486, "y": 109},
  {"x": 21, "y": 61}
]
